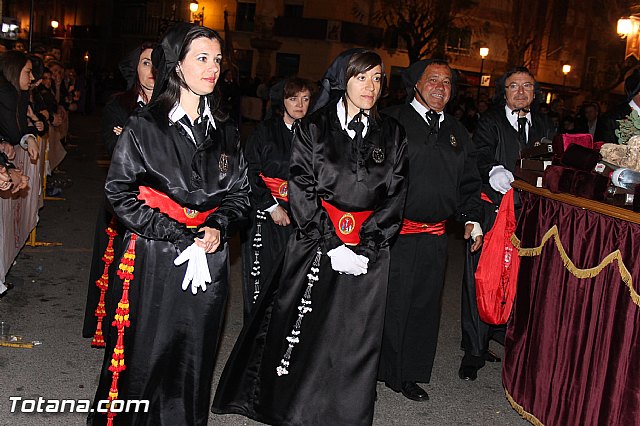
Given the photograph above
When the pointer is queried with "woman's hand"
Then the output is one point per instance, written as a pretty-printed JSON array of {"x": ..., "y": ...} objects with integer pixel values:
[
  {"x": 280, "y": 216},
  {"x": 211, "y": 239},
  {"x": 18, "y": 180},
  {"x": 33, "y": 148},
  {"x": 8, "y": 149},
  {"x": 5, "y": 179}
]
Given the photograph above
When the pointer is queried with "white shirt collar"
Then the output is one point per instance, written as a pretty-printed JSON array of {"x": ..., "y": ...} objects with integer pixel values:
[
  {"x": 513, "y": 118},
  {"x": 635, "y": 106},
  {"x": 344, "y": 123},
  {"x": 422, "y": 110},
  {"x": 177, "y": 112},
  {"x": 140, "y": 99}
]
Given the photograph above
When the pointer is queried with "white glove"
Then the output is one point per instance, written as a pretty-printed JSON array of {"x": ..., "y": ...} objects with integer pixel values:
[
  {"x": 500, "y": 179},
  {"x": 345, "y": 261},
  {"x": 197, "y": 273},
  {"x": 476, "y": 231}
]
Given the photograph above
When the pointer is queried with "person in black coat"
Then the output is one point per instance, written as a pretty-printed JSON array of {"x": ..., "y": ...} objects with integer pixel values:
[
  {"x": 178, "y": 183},
  {"x": 309, "y": 354},
  {"x": 15, "y": 81},
  {"x": 443, "y": 184},
  {"x": 137, "y": 71},
  {"x": 502, "y": 132},
  {"x": 267, "y": 152},
  {"x": 608, "y": 123}
]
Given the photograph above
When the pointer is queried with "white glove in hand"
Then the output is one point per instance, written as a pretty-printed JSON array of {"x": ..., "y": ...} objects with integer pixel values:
[
  {"x": 500, "y": 179},
  {"x": 345, "y": 261},
  {"x": 197, "y": 273}
]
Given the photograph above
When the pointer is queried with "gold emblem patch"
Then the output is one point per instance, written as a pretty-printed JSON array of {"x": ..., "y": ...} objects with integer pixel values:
[
  {"x": 346, "y": 224},
  {"x": 283, "y": 190},
  {"x": 190, "y": 213}
]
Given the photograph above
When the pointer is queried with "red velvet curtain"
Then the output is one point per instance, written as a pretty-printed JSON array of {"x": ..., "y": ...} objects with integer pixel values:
[{"x": 572, "y": 350}]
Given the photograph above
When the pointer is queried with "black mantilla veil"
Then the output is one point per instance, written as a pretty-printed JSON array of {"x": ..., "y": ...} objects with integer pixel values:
[
  {"x": 499, "y": 98},
  {"x": 165, "y": 57},
  {"x": 412, "y": 75},
  {"x": 277, "y": 94},
  {"x": 333, "y": 85}
]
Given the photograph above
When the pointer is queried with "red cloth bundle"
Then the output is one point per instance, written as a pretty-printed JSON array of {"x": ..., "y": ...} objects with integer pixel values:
[{"x": 497, "y": 272}]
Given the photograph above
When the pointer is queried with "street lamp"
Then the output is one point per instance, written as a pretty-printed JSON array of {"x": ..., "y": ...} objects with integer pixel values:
[
  {"x": 484, "y": 52},
  {"x": 195, "y": 15},
  {"x": 629, "y": 28},
  {"x": 566, "y": 69}
]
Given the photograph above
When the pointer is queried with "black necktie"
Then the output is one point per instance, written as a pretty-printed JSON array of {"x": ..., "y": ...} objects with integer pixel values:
[
  {"x": 199, "y": 130},
  {"x": 433, "y": 120},
  {"x": 522, "y": 131},
  {"x": 357, "y": 125}
]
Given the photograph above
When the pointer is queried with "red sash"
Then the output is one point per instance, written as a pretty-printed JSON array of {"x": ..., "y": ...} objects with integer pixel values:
[
  {"x": 485, "y": 197},
  {"x": 157, "y": 200},
  {"x": 347, "y": 224},
  {"x": 412, "y": 227},
  {"x": 279, "y": 187}
]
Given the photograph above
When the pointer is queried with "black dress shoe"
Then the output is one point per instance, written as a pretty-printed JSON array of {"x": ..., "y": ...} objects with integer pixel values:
[
  {"x": 414, "y": 392},
  {"x": 468, "y": 372},
  {"x": 491, "y": 357}
]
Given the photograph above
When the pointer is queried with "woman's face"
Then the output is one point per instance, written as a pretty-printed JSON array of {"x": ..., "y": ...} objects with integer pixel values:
[
  {"x": 363, "y": 90},
  {"x": 297, "y": 105},
  {"x": 145, "y": 70},
  {"x": 25, "y": 76},
  {"x": 200, "y": 68}
]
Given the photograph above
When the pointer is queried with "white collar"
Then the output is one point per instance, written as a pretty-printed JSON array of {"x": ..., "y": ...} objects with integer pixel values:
[
  {"x": 422, "y": 111},
  {"x": 140, "y": 99},
  {"x": 177, "y": 112},
  {"x": 513, "y": 118},
  {"x": 345, "y": 123},
  {"x": 634, "y": 105}
]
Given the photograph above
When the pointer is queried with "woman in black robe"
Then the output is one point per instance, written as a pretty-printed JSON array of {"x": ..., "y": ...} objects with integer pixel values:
[
  {"x": 178, "y": 183},
  {"x": 309, "y": 354},
  {"x": 267, "y": 152},
  {"x": 137, "y": 70}
]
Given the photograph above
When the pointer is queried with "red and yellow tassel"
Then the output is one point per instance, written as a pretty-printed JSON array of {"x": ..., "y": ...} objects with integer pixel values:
[
  {"x": 120, "y": 321},
  {"x": 103, "y": 284}
]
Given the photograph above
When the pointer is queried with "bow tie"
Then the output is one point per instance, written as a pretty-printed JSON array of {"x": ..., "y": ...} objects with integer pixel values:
[{"x": 518, "y": 110}]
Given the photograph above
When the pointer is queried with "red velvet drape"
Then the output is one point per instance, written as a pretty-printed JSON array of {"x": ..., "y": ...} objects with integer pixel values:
[{"x": 572, "y": 350}]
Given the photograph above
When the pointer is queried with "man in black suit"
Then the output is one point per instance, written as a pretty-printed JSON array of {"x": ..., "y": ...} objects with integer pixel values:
[
  {"x": 608, "y": 123},
  {"x": 502, "y": 132}
]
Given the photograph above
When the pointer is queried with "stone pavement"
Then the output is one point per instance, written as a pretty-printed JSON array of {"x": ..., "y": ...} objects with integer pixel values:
[{"x": 47, "y": 304}]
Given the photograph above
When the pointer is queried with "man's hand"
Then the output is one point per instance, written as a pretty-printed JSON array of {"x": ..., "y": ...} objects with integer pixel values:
[
  {"x": 472, "y": 230},
  {"x": 280, "y": 216},
  {"x": 211, "y": 239},
  {"x": 117, "y": 130}
]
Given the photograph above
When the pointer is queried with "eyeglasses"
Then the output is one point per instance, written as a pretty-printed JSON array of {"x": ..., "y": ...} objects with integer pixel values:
[{"x": 527, "y": 87}]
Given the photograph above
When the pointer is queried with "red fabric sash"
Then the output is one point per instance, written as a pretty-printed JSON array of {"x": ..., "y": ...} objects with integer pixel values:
[
  {"x": 347, "y": 224},
  {"x": 157, "y": 200},
  {"x": 279, "y": 187},
  {"x": 412, "y": 227}
]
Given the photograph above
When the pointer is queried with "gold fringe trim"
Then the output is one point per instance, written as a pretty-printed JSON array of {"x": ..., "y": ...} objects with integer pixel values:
[
  {"x": 524, "y": 414},
  {"x": 571, "y": 267}
]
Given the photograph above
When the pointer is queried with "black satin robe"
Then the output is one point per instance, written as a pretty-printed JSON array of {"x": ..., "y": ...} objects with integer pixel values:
[
  {"x": 332, "y": 371},
  {"x": 267, "y": 151},
  {"x": 114, "y": 114},
  {"x": 497, "y": 143},
  {"x": 171, "y": 344},
  {"x": 443, "y": 183}
]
